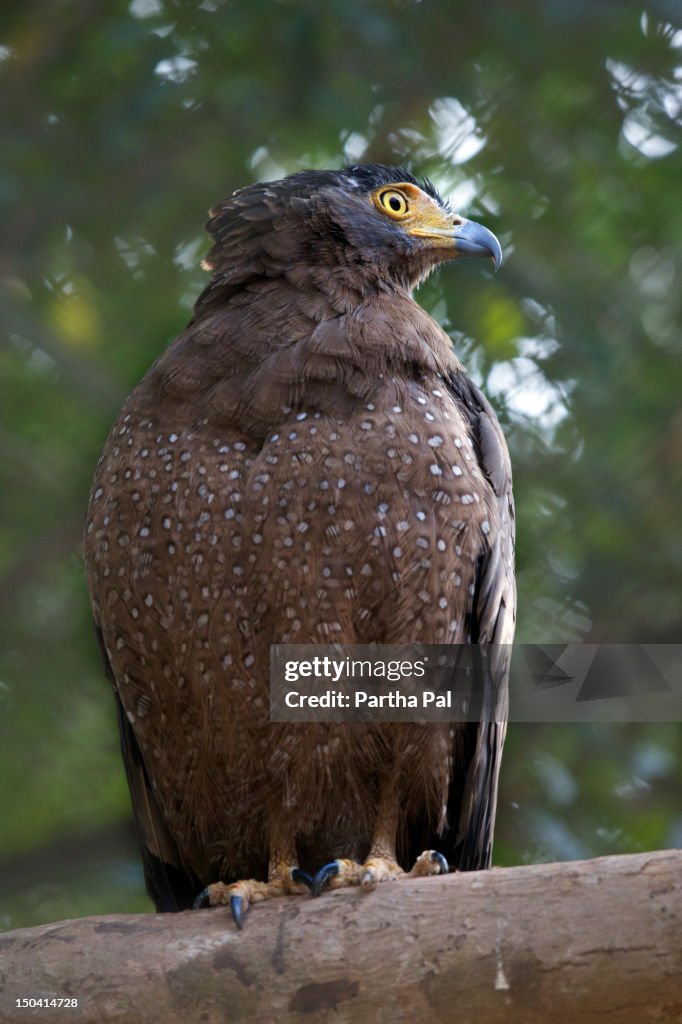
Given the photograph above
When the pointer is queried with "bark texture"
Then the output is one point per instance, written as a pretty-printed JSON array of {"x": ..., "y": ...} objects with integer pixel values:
[{"x": 587, "y": 941}]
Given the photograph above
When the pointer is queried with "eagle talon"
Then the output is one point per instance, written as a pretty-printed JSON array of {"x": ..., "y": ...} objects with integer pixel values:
[
  {"x": 237, "y": 908},
  {"x": 323, "y": 876},
  {"x": 203, "y": 900},
  {"x": 439, "y": 859},
  {"x": 368, "y": 880},
  {"x": 297, "y": 875}
]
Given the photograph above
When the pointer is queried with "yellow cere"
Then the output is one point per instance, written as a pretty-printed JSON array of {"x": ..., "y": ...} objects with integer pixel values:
[{"x": 421, "y": 215}]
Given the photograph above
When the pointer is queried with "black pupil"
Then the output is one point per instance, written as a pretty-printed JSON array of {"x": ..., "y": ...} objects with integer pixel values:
[{"x": 395, "y": 204}]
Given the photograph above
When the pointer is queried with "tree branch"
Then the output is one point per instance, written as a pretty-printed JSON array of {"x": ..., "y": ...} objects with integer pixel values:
[{"x": 586, "y": 941}]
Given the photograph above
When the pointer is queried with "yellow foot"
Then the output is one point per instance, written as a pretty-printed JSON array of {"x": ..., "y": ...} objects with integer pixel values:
[
  {"x": 286, "y": 881},
  {"x": 341, "y": 873},
  {"x": 379, "y": 869},
  {"x": 430, "y": 862}
]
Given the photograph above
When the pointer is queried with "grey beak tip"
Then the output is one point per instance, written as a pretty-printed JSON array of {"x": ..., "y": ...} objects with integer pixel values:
[{"x": 473, "y": 239}]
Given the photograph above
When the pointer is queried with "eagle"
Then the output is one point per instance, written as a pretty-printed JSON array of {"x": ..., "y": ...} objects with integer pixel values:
[{"x": 308, "y": 462}]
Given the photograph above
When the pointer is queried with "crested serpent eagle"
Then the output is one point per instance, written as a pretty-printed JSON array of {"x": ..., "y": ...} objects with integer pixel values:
[{"x": 308, "y": 462}]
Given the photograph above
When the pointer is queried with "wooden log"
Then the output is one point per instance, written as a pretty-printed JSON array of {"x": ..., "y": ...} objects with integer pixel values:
[{"x": 582, "y": 941}]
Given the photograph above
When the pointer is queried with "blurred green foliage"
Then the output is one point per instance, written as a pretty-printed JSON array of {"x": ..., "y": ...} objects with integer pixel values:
[{"x": 555, "y": 123}]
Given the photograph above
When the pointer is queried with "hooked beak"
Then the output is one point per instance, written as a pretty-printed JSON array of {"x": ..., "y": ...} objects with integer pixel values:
[{"x": 472, "y": 239}]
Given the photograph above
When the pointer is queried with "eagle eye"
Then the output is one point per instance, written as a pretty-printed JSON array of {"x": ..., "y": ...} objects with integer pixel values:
[{"x": 393, "y": 203}]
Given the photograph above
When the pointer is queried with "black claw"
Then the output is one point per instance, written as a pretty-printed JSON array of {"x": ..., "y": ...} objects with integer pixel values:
[
  {"x": 439, "y": 859},
  {"x": 323, "y": 876},
  {"x": 236, "y": 904},
  {"x": 297, "y": 875},
  {"x": 202, "y": 900}
]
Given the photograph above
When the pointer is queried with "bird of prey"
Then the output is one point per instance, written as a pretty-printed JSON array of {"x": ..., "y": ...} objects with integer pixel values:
[{"x": 308, "y": 462}]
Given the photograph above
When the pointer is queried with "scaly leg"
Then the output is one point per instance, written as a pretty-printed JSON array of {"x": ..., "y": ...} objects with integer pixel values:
[
  {"x": 285, "y": 878},
  {"x": 381, "y": 863}
]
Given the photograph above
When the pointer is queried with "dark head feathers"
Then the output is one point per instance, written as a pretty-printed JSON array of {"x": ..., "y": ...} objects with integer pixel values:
[
  {"x": 322, "y": 215},
  {"x": 356, "y": 177},
  {"x": 372, "y": 176}
]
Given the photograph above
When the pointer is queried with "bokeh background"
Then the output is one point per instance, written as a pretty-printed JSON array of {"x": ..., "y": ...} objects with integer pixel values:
[{"x": 555, "y": 123}]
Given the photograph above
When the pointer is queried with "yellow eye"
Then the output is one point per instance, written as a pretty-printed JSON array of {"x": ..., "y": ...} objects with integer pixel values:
[{"x": 393, "y": 202}]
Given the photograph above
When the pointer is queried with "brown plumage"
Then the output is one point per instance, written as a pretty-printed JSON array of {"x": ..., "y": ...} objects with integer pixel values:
[{"x": 307, "y": 462}]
